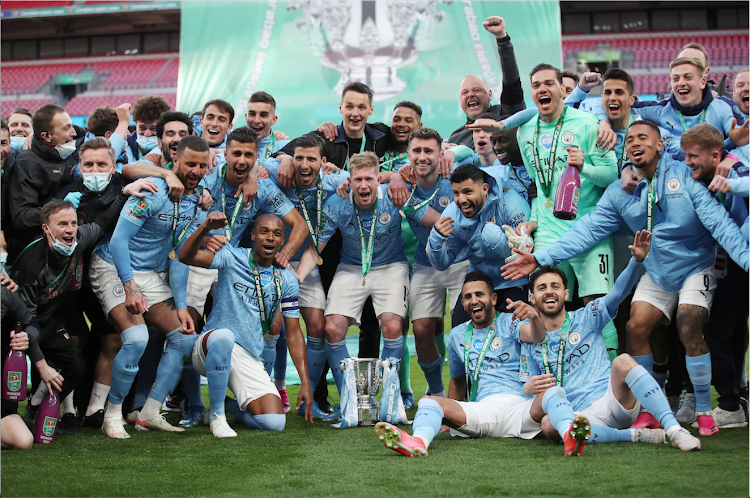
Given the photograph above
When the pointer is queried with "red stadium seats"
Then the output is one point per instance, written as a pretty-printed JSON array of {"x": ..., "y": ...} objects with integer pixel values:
[
  {"x": 82, "y": 105},
  {"x": 32, "y": 105},
  {"x": 17, "y": 80},
  {"x": 17, "y": 5}
]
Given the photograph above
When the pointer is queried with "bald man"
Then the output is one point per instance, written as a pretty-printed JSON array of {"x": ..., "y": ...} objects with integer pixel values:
[{"x": 475, "y": 94}]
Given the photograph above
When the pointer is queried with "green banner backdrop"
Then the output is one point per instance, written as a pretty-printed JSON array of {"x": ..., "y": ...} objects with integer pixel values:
[{"x": 304, "y": 52}]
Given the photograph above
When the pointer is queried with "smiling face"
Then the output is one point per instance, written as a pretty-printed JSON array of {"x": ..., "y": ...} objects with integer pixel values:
[
  {"x": 741, "y": 91},
  {"x": 617, "y": 99},
  {"x": 505, "y": 146},
  {"x": 687, "y": 84},
  {"x": 260, "y": 117},
  {"x": 424, "y": 154},
  {"x": 240, "y": 161},
  {"x": 62, "y": 130},
  {"x": 364, "y": 186},
  {"x": 190, "y": 166},
  {"x": 470, "y": 196},
  {"x": 405, "y": 120},
  {"x": 19, "y": 125},
  {"x": 355, "y": 108},
  {"x": 482, "y": 143},
  {"x": 702, "y": 162},
  {"x": 479, "y": 301},
  {"x": 549, "y": 295},
  {"x": 569, "y": 84},
  {"x": 643, "y": 145},
  {"x": 694, "y": 53},
  {"x": 267, "y": 237},
  {"x": 62, "y": 225},
  {"x": 146, "y": 128},
  {"x": 475, "y": 96},
  {"x": 307, "y": 164},
  {"x": 547, "y": 94},
  {"x": 216, "y": 124},
  {"x": 174, "y": 131}
]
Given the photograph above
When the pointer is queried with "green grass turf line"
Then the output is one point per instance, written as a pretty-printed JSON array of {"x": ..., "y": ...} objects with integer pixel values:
[{"x": 315, "y": 460}]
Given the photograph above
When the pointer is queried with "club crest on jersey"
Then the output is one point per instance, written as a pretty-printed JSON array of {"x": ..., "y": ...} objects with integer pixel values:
[
  {"x": 140, "y": 207},
  {"x": 385, "y": 218},
  {"x": 118, "y": 291},
  {"x": 567, "y": 137},
  {"x": 444, "y": 201},
  {"x": 673, "y": 184},
  {"x": 495, "y": 343},
  {"x": 574, "y": 338},
  {"x": 553, "y": 347},
  {"x": 248, "y": 206},
  {"x": 547, "y": 141}
]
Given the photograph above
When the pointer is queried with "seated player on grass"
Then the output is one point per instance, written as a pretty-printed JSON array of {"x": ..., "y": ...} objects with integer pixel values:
[
  {"x": 484, "y": 354},
  {"x": 251, "y": 290},
  {"x": 606, "y": 396}
]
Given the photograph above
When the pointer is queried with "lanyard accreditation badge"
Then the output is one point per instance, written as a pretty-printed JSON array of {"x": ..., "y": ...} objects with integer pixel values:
[
  {"x": 546, "y": 182},
  {"x": 408, "y": 208},
  {"x": 560, "y": 352},
  {"x": 229, "y": 228},
  {"x": 682, "y": 118},
  {"x": 266, "y": 314},
  {"x": 314, "y": 231},
  {"x": 473, "y": 383},
  {"x": 390, "y": 159},
  {"x": 176, "y": 241}
]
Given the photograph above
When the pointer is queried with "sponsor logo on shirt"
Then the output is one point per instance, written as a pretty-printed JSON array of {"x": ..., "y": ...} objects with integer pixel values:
[
  {"x": 185, "y": 203},
  {"x": 547, "y": 141},
  {"x": 276, "y": 201},
  {"x": 553, "y": 347},
  {"x": 139, "y": 208}
]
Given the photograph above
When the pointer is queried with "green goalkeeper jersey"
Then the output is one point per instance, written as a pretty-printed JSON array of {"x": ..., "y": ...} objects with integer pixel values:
[{"x": 579, "y": 130}]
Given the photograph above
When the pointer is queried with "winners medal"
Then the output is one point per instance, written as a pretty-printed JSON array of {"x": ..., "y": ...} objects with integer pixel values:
[
  {"x": 408, "y": 208},
  {"x": 314, "y": 232},
  {"x": 176, "y": 241},
  {"x": 546, "y": 182},
  {"x": 367, "y": 248},
  {"x": 266, "y": 314}
]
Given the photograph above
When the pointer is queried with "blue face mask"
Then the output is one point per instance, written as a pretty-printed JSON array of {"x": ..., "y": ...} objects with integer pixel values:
[
  {"x": 17, "y": 142},
  {"x": 62, "y": 247},
  {"x": 96, "y": 182},
  {"x": 147, "y": 143},
  {"x": 3, "y": 260}
]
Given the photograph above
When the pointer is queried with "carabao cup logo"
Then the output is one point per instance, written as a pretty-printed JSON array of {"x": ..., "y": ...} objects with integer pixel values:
[
  {"x": 14, "y": 381},
  {"x": 49, "y": 426}
]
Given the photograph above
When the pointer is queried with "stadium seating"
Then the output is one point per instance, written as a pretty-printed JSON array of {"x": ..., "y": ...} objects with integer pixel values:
[
  {"x": 8, "y": 105},
  {"x": 16, "y": 5},
  {"x": 125, "y": 75},
  {"x": 169, "y": 76},
  {"x": 658, "y": 50},
  {"x": 18, "y": 80},
  {"x": 649, "y": 84},
  {"x": 82, "y": 105}
]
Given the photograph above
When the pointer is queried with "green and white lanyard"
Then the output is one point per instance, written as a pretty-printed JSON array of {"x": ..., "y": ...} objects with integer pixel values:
[
  {"x": 546, "y": 183},
  {"x": 314, "y": 231},
  {"x": 367, "y": 247},
  {"x": 560, "y": 352},
  {"x": 361, "y": 150},
  {"x": 652, "y": 200},
  {"x": 390, "y": 159},
  {"x": 266, "y": 314},
  {"x": 682, "y": 119},
  {"x": 622, "y": 157},
  {"x": 269, "y": 149},
  {"x": 229, "y": 228},
  {"x": 474, "y": 383},
  {"x": 408, "y": 208},
  {"x": 176, "y": 241}
]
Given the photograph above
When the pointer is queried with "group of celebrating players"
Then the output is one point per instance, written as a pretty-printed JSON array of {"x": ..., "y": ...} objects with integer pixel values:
[{"x": 193, "y": 247}]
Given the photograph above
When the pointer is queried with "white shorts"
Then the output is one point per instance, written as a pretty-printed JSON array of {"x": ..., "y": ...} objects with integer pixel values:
[
  {"x": 109, "y": 291},
  {"x": 499, "y": 415},
  {"x": 201, "y": 282},
  {"x": 388, "y": 285},
  {"x": 311, "y": 293},
  {"x": 248, "y": 379},
  {"x": 427, "y": 289},
  {"x": 697, "y": 290},
  {"x": 607, "y": 411}
]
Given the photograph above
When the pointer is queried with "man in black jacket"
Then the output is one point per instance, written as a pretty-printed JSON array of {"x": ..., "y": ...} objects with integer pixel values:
[
  {"x": 40, "y": 171},
  {"x": 475, "y": 94}
]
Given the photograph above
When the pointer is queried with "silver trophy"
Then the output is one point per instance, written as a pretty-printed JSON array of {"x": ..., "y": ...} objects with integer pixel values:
[{"x": 368, "y": 379}]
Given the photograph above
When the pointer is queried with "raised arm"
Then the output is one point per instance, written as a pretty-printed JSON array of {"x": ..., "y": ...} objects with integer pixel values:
[{"x": 626, "y": 280}]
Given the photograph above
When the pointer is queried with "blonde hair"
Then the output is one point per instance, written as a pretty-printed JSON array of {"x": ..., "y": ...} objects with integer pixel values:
[
  {"x": 687, "y": 60},
  {"x": 362, "y": 160},
  {"x": 705, "y": 136}
]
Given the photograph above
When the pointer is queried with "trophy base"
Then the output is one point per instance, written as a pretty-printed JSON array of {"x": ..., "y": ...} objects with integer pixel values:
[{"x": 368, "y": 416}]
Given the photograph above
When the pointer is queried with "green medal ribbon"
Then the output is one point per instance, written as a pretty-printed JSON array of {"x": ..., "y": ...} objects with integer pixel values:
[
  {"x": 229, "y": 228},
  {"x": 361, "y": 150},
  {"x": 390, "y": 158},
  {"x": 560, "y": 352},
  {"x": 546, "y": 183},
  {"x": 266, "y": 314},
  {"x": 474, "y": 383},
  {"x": 176, "y": 241},
  {"x": 367, "y": 248},
  {"x": 314, "y": 231},
  {"x": 408, "y": 208},
  {"x": 651, "y": 204},
  {"x": 170, "y": 166},
  {"x": 269, "y": 149},
  {"x": 682, "y": 119},
  {"x": 621, "y": 160}
]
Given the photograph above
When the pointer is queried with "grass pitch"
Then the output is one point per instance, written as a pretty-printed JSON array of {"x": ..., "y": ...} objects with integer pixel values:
[{"x": 315, "y": 460}]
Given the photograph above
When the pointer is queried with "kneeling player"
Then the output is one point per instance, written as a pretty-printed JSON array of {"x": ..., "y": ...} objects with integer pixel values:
[
  {"x": 489, "y": 344},
  {"x": 250, "y": 291},
  {"x": 574, "y": 356}
]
